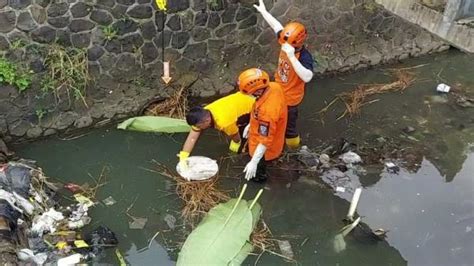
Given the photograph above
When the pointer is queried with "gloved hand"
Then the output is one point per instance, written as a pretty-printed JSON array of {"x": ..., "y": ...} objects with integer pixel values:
[
  {"x": 250, "y": 169},
  {"x": 234, "y": 146},
  {"x": 261, "y": 6},
  {"x": 288, "y": 49},
  {"x": 183, "y": 160},
  {"x": 245, "y": 134}
]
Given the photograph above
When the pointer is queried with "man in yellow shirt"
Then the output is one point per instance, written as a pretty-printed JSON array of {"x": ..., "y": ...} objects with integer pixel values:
[{"x": 229, "y": 115}]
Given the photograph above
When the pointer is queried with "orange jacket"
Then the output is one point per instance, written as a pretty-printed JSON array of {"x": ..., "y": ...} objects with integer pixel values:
[
  {"x": 268, "y": 122},
  {"x": 292, "y": 84}
]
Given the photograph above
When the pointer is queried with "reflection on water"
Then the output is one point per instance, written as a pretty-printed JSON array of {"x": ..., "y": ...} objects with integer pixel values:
[{"x": 427, "y": 208}]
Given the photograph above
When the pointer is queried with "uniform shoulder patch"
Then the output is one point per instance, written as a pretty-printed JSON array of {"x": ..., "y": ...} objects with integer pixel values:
[{"x": 263, "y": 128}]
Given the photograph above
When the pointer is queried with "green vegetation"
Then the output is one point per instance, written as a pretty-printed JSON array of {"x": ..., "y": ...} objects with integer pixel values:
[
  {"x": 213, "y": 3},
  {"x": 109, "y": 32},
  {"x": 67, "y": 74},
  {"x": 12, "y": 74},
  {"x": 20, "y": 43},
  {"x": 40, "y": 113},
  {"x": 370, "y": 6}
]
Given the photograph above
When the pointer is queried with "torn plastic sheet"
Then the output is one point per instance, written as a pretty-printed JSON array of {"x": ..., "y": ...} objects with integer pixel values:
[{"x": 199, "y": 168}]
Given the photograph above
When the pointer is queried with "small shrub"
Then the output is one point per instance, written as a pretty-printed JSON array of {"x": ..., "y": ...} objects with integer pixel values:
[
  {"x": 110, "y": 32},
  {"x": 13, "y": 75},
  {"x": 67, "y": 73}
]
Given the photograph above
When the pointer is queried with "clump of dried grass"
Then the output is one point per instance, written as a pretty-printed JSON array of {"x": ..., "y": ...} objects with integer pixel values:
[
  {"x": 355, "y": 100},
  {"x": 261, "y": 237},
  {"x": 174, "y": 106},
  {"x": 198, "y": 196}
]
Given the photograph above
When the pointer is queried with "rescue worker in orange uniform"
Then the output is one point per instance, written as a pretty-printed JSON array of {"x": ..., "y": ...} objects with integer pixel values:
[
  {"x": 266, "y": 131},
  {"x": 230, "y": 115},
  {"x": 295, "y": 68}
]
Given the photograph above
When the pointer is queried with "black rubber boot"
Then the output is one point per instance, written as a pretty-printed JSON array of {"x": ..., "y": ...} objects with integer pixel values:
[{"x": 261, "y": 175}]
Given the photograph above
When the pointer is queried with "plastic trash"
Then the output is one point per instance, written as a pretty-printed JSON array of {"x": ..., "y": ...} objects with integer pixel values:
[
  {"x": 340, "y": 189},
  {"x": 109, "y": 201},
  {"x": 324, "y": 159},
  {"x": 137, "y": 223},
  {"x": 74, "y": 188},
  {"x": 199, "y": 168},
  {"x": 285, "y": 248},
  {"x": 351, "y": 158},
  {"x": 443, "y": 88},
  {"x": 83, "y": 200},
  {"x": 392, "y": 168},
  {"x": 70, "y": 260},
  {"x": 9, "y": 213},
  {"x": 100, "y": 238},
  {"x": 46, "y": 222},
  {"x": 170, "y": 221},
  {"x": 85, "y": 220},
  {"x": 28, "y": 255},
  {"x": 16, "y": 177},
  {"x": 308, "y": 158}
]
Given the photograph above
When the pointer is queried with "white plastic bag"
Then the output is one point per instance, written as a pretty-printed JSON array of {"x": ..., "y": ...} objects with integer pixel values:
[{"x": 199, "y": 168}]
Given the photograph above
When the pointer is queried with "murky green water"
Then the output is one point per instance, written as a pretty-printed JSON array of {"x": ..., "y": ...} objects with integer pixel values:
[{"x": 428, "y": 210}]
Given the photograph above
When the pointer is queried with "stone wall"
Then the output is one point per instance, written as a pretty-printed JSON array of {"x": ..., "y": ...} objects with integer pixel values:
[
  {"x": 442, "y": 23},
  {"x": 207, "y": 43}
]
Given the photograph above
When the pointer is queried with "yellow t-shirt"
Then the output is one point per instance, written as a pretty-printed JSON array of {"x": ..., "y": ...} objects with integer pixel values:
[{"x": 227, "y": 110}]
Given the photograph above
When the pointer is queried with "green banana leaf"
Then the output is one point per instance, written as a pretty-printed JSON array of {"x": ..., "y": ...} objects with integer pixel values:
[
  {"x": 242, "y": 255},
  {"x": 220, "y": 237},
  {"x": 248, "y": 247},
  {"x": 155, "y": 124}
]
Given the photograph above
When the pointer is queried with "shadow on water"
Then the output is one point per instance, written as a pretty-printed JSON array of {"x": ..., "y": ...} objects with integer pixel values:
[{"x": 427, "y": 208}]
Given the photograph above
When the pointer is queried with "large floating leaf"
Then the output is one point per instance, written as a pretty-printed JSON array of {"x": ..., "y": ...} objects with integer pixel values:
[
  {"x": 221, "y": 237},
  {"x": 242, "y": 255},
  {"x": 155, "y": 124}
]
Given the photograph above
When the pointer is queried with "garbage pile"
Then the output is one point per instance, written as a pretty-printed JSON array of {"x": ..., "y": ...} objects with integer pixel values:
[
  {"x": 336, "y": 165},
  {"x": 41, "y": 231}
]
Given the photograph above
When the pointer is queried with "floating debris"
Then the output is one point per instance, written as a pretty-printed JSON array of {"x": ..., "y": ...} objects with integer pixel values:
[
  {"x": 351, "y": 158},
  {"x": 392, "y": 168},
  {"x": 137, "y": 223},
  {"x": 170, "y": 221},
  {"x": 109, "y": 201},
  {"x": 198, "y": 196},
  {"x": 443, "y": 88},
  {"x": 285, "y": 248},
  {"x": 356, "y": 99}
]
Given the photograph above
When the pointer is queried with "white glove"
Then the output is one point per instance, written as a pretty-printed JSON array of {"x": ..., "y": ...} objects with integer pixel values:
[
  {"x": 250, "y": 169},
  {"x": 261, "y": 6},
  {"x": 245, "y": 134},
  {"x": 272, "y": 21},
  {"x": 305, "y": 74},
  {"x": 288, "y": 49}
]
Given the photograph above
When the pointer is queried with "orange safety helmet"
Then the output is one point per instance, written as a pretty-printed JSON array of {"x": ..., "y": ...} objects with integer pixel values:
[
  {"x": 294, "y": 33},
  {"x": 252, "y": 80}
]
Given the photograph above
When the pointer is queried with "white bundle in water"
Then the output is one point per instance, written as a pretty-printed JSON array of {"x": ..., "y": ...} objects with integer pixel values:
[{"x": 199, "y": 168}]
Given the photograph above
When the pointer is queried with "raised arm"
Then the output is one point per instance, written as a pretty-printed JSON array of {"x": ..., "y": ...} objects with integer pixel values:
[{"x": 272, "y": 21}]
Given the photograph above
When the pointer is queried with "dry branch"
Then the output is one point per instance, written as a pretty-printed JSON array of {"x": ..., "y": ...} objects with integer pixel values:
[{"x": 356, "y": 99}]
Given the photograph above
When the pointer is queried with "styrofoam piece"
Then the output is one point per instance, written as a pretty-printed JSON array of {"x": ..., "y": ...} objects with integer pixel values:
[
  {"x": 443, "y": 88},
  {"x": 198, "y": 168}
]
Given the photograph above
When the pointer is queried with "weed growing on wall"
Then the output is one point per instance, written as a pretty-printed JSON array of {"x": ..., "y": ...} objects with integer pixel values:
[
  {"x": 110, "y": 32},
  {"x": 67, "y": 73},
  {"x": 12, "y": 74}
]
